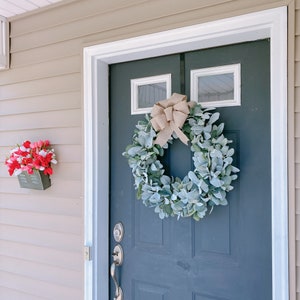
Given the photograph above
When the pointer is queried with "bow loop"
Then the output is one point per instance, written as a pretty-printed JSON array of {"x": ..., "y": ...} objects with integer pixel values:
[
  {"x": 169, "y": 113},
  {"x": 168, "y": 116}
]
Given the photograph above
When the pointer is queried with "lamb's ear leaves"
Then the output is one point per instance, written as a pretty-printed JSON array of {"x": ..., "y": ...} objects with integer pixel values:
[
  {"x": 134, "y": 150},
  {"x": 214, "y": 117},
  {"x": 192, "y": 176}
]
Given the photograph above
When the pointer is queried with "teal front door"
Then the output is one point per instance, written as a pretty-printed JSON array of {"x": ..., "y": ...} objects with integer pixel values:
[{"x": 227, "y": 255}]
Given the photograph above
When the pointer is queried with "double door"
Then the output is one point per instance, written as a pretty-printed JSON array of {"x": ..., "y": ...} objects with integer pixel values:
[{"x": 227, "y": 255}]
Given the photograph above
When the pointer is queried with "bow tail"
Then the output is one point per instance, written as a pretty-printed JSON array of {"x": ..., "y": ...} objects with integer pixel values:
[
  {"x": 163, "y": 136},
  {"x": 179, "y": 133}
]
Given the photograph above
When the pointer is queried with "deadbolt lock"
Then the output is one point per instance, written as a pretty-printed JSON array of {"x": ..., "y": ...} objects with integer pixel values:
[{"x": 118, "y": 232}]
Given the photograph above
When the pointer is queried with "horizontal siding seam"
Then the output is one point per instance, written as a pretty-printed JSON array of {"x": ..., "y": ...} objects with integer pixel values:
[
  {"x": 41, "y": 281},
  {"x": 26, "y": 64},
  {"x": 39, "y": 247},
  {"x": 62, "y": 72},
  {"x": 78, "y": 271},
  {"x": 75, "y": 90},
  {"x": 24, "y": 293},
  {"x": 11, "y": 114},
  {"x": 40, "y": 213},
  {"x": 74, "y": 218},
  {"x": 40, "y": 78},
  {"x": 31, "y": 249},
  {"x": 39, "y": 128},
  {"x": 74, "y": 38},
  {"x": 39, "y": 112},
  {"x": 37, "y": 213},
  {"x": 35, "y": 128},
  {"x": 67, "y": 233},
  {"x": 71, "y": 46},
  {"x": 36, "y": 245},
  {"x": 46, "y": 103},
  {"x": 36, "y": 112},
  {"x": 17, "y": 68},
  {"x": 76, "y": 213},
  {"x": 78, "y": 92}
]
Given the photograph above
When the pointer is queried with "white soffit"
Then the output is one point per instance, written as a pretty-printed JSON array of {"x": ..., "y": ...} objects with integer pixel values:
[{"x": 11, "y": 8}]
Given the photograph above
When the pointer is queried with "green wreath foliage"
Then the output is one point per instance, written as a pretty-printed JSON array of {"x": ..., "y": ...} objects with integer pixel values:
[{"x": 202, "y": 188}]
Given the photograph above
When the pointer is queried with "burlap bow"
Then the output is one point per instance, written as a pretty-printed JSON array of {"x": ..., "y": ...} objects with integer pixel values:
[{"x": 168, "y": 116}]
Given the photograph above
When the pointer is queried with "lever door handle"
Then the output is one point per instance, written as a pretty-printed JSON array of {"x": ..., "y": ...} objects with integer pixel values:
[{"x": 117, "y": 261}]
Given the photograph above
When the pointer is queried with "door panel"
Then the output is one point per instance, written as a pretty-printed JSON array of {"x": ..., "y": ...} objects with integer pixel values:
[{"x": 227, "y": 255}]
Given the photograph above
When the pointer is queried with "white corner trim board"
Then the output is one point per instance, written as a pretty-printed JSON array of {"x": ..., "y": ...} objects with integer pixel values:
[
  {"x": 264, "y": 24},
  {"x": 4, "y": 43}
]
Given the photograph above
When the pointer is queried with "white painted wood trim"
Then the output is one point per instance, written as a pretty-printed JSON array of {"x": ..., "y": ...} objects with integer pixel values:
[
  {"x": 279, "y": 157},
  {"x": 4, "y": 43},
  {"x": 264, "y": 24}
]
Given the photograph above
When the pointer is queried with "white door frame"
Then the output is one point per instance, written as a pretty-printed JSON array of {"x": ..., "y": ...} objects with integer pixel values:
[{"x": 264, "y": 24}]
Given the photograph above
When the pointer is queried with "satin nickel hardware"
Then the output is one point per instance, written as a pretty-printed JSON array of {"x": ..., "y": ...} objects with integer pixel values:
[
  {"x": 117, "y": 261},
  {"x": 118, "y": 232},
  {"x": 118, "y": 255}
]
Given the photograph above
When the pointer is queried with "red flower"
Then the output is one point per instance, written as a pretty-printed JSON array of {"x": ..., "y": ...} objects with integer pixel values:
[
  {"x": 48, "y": 171},
  {"x": 31, "y": 156},
  {"x": 12, "y": 165},
  {"x": 26, "y": 144}
]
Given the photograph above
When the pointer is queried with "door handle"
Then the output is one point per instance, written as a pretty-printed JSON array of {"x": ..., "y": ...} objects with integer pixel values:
[{"x": 117, "y": 261}]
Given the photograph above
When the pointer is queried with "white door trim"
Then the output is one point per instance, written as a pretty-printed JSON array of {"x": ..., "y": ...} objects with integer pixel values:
[{"x": 264, "y": 24}]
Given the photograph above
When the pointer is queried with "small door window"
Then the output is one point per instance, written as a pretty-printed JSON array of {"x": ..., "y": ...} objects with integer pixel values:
[
  {"x": 145, "y": 92},
  {"x": 217, "y": 86}
]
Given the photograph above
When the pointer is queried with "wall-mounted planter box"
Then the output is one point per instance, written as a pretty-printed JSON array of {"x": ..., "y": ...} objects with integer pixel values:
[{"x": 37, "y": 181}]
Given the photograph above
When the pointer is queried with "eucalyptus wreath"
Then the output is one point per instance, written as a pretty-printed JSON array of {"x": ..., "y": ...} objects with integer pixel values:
[{"x": 202, "y": 188}]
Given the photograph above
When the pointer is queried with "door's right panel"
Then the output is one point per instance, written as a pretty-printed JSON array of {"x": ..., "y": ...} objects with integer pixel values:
[{"x": 232, "y": 247}]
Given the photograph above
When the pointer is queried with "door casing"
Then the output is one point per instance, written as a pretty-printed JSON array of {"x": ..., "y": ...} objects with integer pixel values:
[{"x": 264, "y": 24}]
